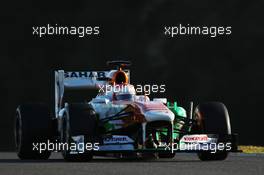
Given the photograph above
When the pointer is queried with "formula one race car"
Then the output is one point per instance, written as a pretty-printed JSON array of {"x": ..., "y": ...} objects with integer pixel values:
[{"x": 118, "y": 122}]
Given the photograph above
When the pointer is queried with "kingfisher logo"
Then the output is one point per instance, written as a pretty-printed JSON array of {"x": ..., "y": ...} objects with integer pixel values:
[{"x": 195, "y": 138}]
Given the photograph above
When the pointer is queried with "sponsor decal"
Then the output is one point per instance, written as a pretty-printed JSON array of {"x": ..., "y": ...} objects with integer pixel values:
[
  {"x": 116, "y": 147},
  {"x": 85, "y": 74},
  {"x": 118, "y": 139},
  {"x": 195, "y": 138}
]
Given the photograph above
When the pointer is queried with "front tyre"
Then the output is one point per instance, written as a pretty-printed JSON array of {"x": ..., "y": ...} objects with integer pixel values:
[
  {"x": 212, "y": 118},
  {"x": 80, "y": 120}
]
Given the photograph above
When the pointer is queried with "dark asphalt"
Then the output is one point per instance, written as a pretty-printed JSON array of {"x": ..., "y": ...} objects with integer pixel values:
[{"x": 236, "y": 164}]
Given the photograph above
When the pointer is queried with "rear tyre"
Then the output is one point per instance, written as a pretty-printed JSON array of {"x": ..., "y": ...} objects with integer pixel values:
[
  {"x": 33, "y": 125},
  {"x": 80, "y": 121},
  {"x": 212, "y": 118}
]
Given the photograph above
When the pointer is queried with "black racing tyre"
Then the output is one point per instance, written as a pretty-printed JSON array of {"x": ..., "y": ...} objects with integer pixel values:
[
  {"x": 212, "y": 118},
  {"x": 80, "y": 120},
  {"x": 33, "y": 125}
]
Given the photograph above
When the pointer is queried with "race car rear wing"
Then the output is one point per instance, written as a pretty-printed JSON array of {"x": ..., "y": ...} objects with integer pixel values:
[{"x": 78, "y": 81}]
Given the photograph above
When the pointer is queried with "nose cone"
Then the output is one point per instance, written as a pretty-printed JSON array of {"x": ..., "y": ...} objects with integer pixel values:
[{"x": 154, "y": 115}]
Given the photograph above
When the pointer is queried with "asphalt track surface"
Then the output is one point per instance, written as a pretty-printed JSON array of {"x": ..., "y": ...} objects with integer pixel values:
[{"x": 183, "y": 163}]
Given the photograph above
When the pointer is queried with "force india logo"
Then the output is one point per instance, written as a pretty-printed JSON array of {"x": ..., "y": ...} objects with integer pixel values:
[
  {"x": 118, "y": 139},
  {"x": 195, "y": 138}
]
